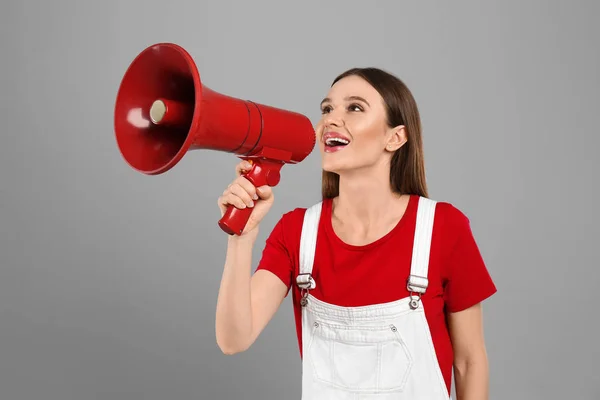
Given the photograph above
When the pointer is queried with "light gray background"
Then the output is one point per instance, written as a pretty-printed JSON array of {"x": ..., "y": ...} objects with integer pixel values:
[{"x": 109, "y": 278}]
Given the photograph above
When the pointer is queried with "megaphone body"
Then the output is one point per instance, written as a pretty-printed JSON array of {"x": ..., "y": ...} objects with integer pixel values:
[{"x": 163, "y": 110}]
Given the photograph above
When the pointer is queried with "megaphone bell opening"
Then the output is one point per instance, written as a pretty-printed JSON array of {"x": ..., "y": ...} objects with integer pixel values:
[{"x": 155, "y": 106}]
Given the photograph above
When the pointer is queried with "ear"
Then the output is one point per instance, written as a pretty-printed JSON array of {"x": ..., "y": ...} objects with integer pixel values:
[{"x": 397, "y": 138}]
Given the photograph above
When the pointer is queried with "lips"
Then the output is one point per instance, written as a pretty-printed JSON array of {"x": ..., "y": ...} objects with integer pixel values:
[{"x": 335, "y": 141}]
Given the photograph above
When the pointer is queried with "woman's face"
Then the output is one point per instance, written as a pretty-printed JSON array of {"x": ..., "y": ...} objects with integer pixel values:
[{"x": 353, "y": 133}]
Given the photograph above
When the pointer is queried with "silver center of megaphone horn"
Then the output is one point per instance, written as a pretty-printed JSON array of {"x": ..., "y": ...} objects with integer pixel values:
[{"x": 157, "y": 111}]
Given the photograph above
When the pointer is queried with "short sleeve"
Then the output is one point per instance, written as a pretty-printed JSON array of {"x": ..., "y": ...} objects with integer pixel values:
[
  {"x": 277, "y": 256},
  {"x": 468, "y": 280}
]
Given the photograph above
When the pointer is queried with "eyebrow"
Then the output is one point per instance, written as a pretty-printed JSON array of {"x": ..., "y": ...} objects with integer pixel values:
[{"x": 327, "y": 99}]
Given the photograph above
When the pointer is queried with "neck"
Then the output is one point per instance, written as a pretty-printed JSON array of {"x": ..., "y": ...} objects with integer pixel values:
[{"x": 367, "y": 201}]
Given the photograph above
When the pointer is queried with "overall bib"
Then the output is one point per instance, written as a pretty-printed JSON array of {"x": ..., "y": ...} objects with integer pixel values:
[{"x": 382, "y": 351}]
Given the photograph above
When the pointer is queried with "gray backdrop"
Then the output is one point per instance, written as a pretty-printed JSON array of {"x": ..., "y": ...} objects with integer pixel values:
[{"x": 109, "y": 278}]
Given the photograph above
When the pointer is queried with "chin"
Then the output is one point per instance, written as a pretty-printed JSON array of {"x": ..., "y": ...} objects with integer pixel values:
[
  {"x": 347, "y": 165},
  {"x": 338, "y": 163},
  {"x": 332, "y": 170},
  {"x": 335, "y": 167}
]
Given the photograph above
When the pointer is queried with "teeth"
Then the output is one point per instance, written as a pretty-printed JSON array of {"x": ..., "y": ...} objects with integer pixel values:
[{"x": 334, "y": 140}]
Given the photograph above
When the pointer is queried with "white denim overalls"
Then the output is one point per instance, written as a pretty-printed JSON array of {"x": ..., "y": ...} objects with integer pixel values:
[{"x": 381, "y": 351}]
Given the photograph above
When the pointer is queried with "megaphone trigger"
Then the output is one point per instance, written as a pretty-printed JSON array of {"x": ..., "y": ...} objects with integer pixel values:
[{"x": 264, "y": 172}]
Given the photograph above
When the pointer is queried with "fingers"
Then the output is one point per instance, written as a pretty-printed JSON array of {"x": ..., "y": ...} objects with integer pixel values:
[
  {"x": 243, "y": 167},
  {"x": 247, "y": 186},
  {"x": 229, "y": 198},
  {"x": 236, "y": 196},
  {"x": 241, "y": 193}
]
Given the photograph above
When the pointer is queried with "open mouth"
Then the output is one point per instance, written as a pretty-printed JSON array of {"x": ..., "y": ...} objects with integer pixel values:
[{"x": 334, "y": 142}]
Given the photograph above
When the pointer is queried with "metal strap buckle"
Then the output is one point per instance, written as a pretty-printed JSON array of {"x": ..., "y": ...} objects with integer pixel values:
[
  {"x": 412, "y": 285},
  {"x": 416, "y": 290},
  {"x": 305, "y": 282}
]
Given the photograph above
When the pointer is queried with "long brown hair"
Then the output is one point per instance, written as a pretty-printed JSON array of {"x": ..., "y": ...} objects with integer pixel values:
[{"x": 407, "y": 170}]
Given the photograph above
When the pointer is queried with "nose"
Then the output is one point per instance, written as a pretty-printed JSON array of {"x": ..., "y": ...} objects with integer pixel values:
[{"x": 333, "y": 119}]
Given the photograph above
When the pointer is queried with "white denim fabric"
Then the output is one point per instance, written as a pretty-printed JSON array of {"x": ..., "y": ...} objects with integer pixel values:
[{"x": 382, "y": 351}]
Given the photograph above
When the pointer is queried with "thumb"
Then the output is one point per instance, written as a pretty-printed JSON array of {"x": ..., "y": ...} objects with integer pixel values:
[{"x": 264, "y": 192}]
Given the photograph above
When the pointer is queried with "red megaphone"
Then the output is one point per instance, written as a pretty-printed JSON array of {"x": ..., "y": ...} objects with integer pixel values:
[{"x": 162, "y": 110}]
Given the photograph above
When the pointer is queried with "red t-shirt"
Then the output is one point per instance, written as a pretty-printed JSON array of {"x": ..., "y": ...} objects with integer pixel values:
[{"x": 349, "y": 276}]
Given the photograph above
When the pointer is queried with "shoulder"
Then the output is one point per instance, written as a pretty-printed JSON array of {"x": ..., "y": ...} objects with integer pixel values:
[
  {"x": 295, "y": 217},
  {"x": 451, "y": 214},
  {"x": 445, "y": 211},
  {"x": 290, "y": 223},
  {"x": 282, "y": 246},
  {"x": 452, "y": 222}
]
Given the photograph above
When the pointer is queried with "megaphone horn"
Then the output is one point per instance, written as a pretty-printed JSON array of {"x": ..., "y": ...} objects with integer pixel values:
[{"x": 163, "y": 110}]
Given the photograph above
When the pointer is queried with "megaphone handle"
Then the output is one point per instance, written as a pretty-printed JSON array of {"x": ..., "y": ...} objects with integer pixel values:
[{"x": 263, "y": 172}]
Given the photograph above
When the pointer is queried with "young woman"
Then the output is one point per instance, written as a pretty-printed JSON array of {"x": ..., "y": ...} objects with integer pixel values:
[{"x": 387, "y": 284}]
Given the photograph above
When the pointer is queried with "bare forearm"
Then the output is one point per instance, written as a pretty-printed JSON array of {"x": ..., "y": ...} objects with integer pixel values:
[
  {"x": 472, "y": 379},
  {"x": 234, "y": 310}
]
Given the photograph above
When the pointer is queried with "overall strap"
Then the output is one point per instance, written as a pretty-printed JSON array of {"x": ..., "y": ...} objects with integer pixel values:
[
  {"x": 417, "y": 281},
  {"x": 308, "y": 244}
]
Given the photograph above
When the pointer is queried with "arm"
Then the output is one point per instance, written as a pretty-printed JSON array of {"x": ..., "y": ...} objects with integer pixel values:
[
  {"x": 471, "y": 371},
  {"x": 246, "y": 303}
]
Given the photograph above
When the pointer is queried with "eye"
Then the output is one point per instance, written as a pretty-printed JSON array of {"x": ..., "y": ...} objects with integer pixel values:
[
  {"x": 325, "y": 109},
  {"x": 355, "y": 107}
]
